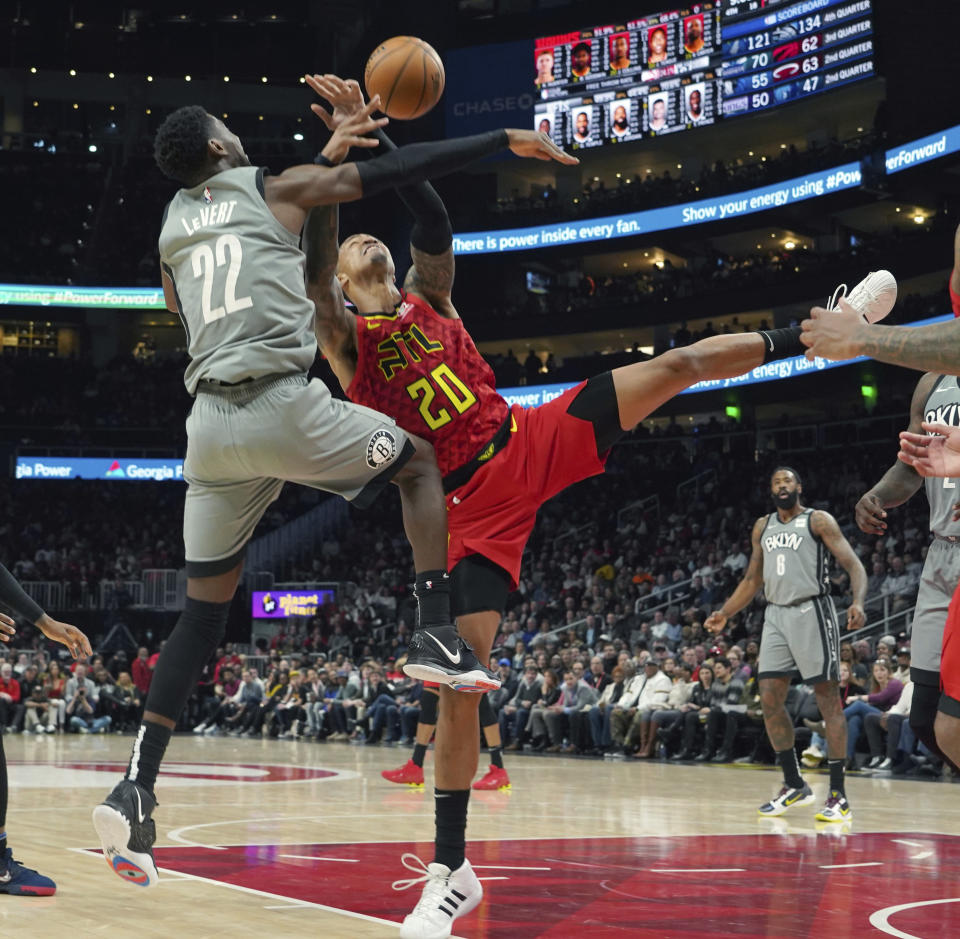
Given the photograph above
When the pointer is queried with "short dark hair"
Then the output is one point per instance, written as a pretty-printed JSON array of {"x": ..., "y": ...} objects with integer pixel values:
[
  {"x": 180, "y": 147},
  {"x": 580, "y": 47},
  {"x": 787, "y": 469}
]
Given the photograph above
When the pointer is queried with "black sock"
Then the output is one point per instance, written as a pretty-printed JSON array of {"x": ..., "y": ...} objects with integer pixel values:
[
  {"x": 791, "y": 769},
  {"x": 451, "y": 817},
  {"x": 148, "y": 749},
  {"x": 782, "y": 343},
  {"x": 433, "y": 598},
  {"x": 3, "y": 785},
  {"x": 496, "y": 757},
  {"x": 3, "y": 849},
  {"x": 419, "y": 752},
  {"x": 836, "y": 775}
]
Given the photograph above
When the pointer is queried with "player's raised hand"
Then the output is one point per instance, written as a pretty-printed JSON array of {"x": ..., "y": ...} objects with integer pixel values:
[
  {"x": 346, "y": 97},
  {"x": 833, "y": 334},
  {"x": 715, "y": 621},
  {"x": 533, "y": 143},
  {"x": 7, "y": 630},
  {"x": 870, "y": 514},
  {"x": 75, "y": 640},
  {"x": 352, "y": 131},
  {"x": 932, "y": 455},
  {"x": 856, "y": 618}
]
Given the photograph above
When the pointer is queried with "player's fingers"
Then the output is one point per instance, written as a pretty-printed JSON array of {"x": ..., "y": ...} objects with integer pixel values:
[
  {"x": 917, "y": 440},
  {"x": 817, "y": 311},
  {"x": 942, "y": 429},
  {"x": 372, "y": 105},
  {"x": 323, "y": 114},
  {"x": 85, "y": 647},
  {"x": 368, "y": 142},
  {"x": 314, "y": 81},
  {"x": 5, "y": 620}
]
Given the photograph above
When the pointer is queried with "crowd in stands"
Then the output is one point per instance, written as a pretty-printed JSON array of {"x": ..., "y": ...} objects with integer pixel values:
[{"x": 638, "y": 189}]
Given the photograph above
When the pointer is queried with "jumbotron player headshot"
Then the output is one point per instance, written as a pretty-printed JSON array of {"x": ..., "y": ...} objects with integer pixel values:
[
  {"x": 582, "y": 126},
  {"x": 544, "y": 67},
  {"x": 656, "y": 46},
  {"x": 695, "y": 105},
  {"x": 620, "y": 121},
  {"x": 619, "y": 52},
  {"x": 658, "y": 113},
  {"x": 580, "y": 56},
  {"x": 693, "y": 34}
]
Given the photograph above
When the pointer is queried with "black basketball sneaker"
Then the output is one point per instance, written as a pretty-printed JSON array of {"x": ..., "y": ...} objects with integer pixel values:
[
  {"x": 438, "y": 654},
  {"x": 127, "y": 833}
]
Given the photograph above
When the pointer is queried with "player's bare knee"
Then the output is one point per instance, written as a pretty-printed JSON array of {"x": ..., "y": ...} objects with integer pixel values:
[{"x": 422, "y": 466}]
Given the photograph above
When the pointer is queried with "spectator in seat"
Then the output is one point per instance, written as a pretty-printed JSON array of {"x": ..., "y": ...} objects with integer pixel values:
[
  {"x": 549, "y": 696},
  {"x": 290, "y": 711},
  {"x": 55, "y": 685},
  {"x": 82, "y": 701},
  {"x": 599, "y": 714},
  {"x": 728, "y": 709},
  {"x": 885, "y": 691},
  {"x": 816, "y": 753},
  {"x": 246, "y": 703},
  {"x": 565, "y": 719},
  {"x": 515, "y": 714},
  {"x": 37, "y": 714},
  {"x": 141, "y": 672},
  {"x": 653, "y": 695},
  {"x": 9, "y": 697},
  {"x": 623, "y": 711},
  {"x": 121, "y": 700},
  {"x": 381, "y": 710},
  {"x": 900, "y": 587},
  {"x": 28, "y": 681},
  {"x": 341, "y": 707},
  {"x": 895, "y": 723},
  {"x": 902, "y": 671},
  {"x": 219, "y": 706},
  {"x": 694, "y": 715},
  {"x": 314, "y": 704}
]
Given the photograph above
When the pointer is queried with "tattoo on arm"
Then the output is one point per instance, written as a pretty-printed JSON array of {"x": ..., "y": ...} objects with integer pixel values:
[
  {"x": 933, "y": 348},
  {"x": 431, "y": 277}
]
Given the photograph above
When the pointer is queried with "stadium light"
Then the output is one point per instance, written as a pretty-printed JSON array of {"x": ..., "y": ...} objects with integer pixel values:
[
  {"x": 92, "y": 148},
  {"x": 298, "y": 136}
]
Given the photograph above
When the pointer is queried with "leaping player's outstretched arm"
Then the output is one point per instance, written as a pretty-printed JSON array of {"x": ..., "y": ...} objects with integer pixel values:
[
  {"x": 825, "y": 527},
  {"x": 334, "y": 324},
  {"x": 900, "y": 482},
  {"x": 747, "y": 589}
]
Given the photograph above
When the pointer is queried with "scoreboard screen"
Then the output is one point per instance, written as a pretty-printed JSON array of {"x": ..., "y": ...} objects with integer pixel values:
[
  {"x": 793, "y": 51},
  {"x": 641, "y": 78},
  {"x": 688, "y": 68}
]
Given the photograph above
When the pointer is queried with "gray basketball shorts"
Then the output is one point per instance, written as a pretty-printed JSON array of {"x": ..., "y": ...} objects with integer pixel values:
[
  {"x": 244, "y": 442},
  {"x": 938, "y": 580},
  {"x": 803, "y": 638}
]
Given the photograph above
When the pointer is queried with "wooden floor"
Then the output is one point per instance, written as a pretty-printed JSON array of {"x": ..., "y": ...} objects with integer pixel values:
[{"x": 259, "y": 838}]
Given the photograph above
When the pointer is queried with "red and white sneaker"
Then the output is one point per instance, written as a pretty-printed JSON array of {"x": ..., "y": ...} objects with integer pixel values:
[
  {"x": 495, "y": 778},
  {"x": 447, "y": 895},
  {"x": 409, "y": 774}
]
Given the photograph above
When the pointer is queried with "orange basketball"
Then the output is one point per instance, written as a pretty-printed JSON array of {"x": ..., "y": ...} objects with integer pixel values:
[{"x": 407, "y": 74}]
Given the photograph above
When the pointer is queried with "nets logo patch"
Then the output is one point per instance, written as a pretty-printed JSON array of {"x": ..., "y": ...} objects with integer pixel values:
[{"x": 381, "y": 449}]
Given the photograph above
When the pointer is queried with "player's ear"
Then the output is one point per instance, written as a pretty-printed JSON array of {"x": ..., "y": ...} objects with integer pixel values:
[
  {"x": 344, "y": 283},
  {"x": 216, "y": 148}
]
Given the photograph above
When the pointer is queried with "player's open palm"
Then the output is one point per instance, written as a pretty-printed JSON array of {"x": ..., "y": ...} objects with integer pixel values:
[
  {"x": 932, "y": 455},
  {"x": 532, "y": 143},
  {"x": 346, "y": 96},
  {"x": 75, "y": 640},
  {"x": 715, "y": 622}
]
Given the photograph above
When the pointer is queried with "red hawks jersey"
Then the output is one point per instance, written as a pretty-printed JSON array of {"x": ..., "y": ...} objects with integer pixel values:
[{"x": 423, "y": 370}]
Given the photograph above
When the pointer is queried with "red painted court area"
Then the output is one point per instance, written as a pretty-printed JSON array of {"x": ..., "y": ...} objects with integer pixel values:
[{"x": 824, "y": 885}]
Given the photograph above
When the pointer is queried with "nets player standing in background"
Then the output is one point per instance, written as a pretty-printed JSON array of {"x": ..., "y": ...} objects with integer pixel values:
[
  {"x": 233, "y": 271},
  {"x": 935, "y": 397},
  {"x": 800, "y": 632},
  {"x": 408, "y": 351},
  {"x": 15, "y": 879}
]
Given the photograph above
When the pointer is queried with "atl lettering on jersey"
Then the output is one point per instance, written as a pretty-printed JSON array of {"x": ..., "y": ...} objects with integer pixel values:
[{"x": 423, "y": 370}]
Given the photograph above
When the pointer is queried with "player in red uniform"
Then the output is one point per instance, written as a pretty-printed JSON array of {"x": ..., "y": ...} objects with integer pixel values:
[{"x": 407, "y": 352}]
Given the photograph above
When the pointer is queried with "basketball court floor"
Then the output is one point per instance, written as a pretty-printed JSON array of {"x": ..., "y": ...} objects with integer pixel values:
[{"x": 288, "y": 838}]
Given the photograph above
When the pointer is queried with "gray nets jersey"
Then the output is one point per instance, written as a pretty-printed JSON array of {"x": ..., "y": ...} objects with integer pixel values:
[
  {"x": 794, "y": 560},
  {"x": 943, "y": 407},
  {"x": 238, "y": 277}
]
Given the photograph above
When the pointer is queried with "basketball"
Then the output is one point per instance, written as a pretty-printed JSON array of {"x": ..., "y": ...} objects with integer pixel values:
[{"x": 407, "y": 74}]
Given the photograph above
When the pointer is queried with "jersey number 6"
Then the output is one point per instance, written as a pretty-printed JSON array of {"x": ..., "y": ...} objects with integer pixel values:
[{"x": 453, "y": 389}]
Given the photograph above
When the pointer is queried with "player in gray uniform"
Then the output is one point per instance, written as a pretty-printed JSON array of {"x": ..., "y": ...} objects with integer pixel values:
[
  {"x": 936, "y": 400},
  {"x": 800, "y": 632},
  {"x": 233, "y": 271}
]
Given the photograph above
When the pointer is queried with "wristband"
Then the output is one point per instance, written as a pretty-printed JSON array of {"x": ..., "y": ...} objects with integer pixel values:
[{"x": 321, "y": 160}]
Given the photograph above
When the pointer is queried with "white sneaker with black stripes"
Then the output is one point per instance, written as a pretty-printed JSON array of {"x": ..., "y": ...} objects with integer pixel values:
[{"x": 447, "y": 895}]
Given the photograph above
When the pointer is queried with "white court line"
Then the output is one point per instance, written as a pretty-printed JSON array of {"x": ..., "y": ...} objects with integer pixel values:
[
  {"x": 697, "y": 870},
  {"x": 921, "y": 856},
  {"x": 834, "y": 867},
  {"x": 911, "y": 844},
  {"x": 288, "y": 901},
  {"x": 880, "y": 919},
  {"x": 304, "y": 857},
  {"x": 504, "y": 867}
]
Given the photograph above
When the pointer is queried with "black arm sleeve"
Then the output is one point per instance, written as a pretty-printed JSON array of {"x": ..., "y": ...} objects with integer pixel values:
[
  {"x": 431, "y": 233},
  {"x": 16, "y": 597},
  {"x": 422, "y": 161}
]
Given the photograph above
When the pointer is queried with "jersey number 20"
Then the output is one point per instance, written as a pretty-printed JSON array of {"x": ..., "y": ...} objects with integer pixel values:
[
  {"x": 452, "y": 388},
  {"x": 204, "y": 259}
]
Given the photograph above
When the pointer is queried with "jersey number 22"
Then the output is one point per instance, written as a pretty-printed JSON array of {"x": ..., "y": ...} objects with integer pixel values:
[{"x": 205, "y": 260}]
